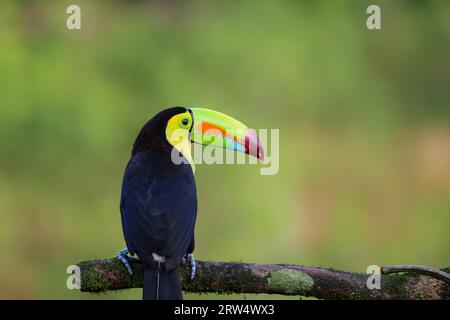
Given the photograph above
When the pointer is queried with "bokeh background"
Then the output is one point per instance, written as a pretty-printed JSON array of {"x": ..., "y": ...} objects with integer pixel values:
[{"x": 363, "y": 116}]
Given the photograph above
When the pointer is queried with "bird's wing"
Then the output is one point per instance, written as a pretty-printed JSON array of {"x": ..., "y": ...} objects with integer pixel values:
[{"x": 158, "y": 211}]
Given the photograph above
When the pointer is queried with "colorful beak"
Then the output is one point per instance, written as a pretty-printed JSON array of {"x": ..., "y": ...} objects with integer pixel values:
[{"x": 213, "y": 128}]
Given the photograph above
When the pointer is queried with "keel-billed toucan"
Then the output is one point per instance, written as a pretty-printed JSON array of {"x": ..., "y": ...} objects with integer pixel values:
[{"x": 159, "y": 199}]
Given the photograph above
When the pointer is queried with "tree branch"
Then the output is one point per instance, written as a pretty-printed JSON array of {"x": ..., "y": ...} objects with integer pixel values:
[
  {"x": 432, "y": 272},
  {"x": 234, "y": 277}
]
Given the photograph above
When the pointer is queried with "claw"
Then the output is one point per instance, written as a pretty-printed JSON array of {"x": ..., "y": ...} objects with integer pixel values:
[
  {"x": 190, "y": 258},
  {"x": 123, "y": 257}
]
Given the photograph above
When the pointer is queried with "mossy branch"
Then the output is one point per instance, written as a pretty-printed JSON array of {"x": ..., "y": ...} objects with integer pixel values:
[{"x": 236, "y": 277}]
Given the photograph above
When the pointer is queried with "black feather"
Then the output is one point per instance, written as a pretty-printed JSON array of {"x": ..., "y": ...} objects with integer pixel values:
[{"x": 158, "y": 207}]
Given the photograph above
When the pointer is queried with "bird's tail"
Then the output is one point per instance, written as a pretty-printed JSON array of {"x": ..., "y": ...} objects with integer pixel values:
[{"x": 162, "y": 285}]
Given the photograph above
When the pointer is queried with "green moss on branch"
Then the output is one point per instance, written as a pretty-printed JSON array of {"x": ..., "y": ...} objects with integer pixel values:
[{"x": 236, "y": 277}]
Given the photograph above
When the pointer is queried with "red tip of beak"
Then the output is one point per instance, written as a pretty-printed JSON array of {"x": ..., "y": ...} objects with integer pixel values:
[{"x": 253, "y": 146}]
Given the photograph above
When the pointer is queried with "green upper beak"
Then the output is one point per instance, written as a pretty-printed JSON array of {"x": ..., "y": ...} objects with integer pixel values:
[{"x": 214, "y": 128}]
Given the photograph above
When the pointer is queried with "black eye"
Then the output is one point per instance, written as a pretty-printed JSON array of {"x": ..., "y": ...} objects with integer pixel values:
[{"x": 185, "y": 122}]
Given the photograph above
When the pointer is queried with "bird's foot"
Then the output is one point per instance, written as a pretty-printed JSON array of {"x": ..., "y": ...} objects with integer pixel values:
[
  {"x": 123, "y": 257},
  {"x": 191, "y": 260}
]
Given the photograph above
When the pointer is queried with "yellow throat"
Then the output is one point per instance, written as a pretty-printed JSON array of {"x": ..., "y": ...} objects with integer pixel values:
[{"x": 177, "y": 134}]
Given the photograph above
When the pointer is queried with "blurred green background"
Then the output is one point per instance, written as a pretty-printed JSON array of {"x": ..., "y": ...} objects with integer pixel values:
[{"x": 363, "y": 116}]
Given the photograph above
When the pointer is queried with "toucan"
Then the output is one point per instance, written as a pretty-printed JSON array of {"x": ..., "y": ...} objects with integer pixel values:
[{"x": 159, "y": 199}]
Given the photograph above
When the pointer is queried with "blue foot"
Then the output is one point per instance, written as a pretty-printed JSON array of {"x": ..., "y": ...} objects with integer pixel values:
[
  {"x": 123, "y": 257},
  {"x": 190, "y": 258}
]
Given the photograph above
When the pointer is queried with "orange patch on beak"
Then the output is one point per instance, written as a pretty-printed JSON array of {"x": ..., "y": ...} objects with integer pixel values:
[{"x": 205, "y": 126}]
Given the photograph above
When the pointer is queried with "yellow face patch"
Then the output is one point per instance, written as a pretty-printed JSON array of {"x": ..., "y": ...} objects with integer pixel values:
[{"x": 177, "y": 134}]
